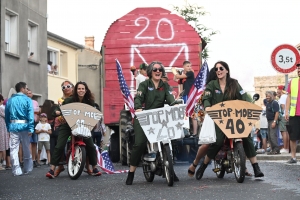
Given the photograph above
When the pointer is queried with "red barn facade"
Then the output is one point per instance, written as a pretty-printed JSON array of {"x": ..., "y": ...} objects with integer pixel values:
[{"x": 145, "y": 35}]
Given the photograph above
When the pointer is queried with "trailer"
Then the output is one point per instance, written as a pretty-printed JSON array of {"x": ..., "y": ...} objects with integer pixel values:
[{"x": 141, "y": 36}]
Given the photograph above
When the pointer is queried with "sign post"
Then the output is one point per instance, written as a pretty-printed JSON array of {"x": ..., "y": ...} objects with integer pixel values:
[{"x": 284, "y": 59}]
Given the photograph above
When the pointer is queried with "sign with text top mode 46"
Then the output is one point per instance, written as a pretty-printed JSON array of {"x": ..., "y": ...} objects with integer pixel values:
[{"x": 284, "y": 58}]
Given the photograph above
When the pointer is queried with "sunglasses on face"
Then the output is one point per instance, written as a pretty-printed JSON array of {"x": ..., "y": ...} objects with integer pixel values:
[
  {"x": 157, "y": 69},
  {"x": 217, "y": 68},
  {"x": 66, "y": 86}
]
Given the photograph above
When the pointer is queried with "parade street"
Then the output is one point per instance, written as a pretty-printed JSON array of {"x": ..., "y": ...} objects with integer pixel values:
[{"x": 281, "y": 181}]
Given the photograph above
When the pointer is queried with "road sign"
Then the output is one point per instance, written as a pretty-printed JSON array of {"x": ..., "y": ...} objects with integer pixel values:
[{"x": 284, "y": 58}]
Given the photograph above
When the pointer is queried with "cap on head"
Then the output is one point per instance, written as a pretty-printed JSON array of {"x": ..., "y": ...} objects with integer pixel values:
[
  {"x": 43, "y": 115},
  {"x": 280, "y": 87},
  {"x": 143, "y": 66}
]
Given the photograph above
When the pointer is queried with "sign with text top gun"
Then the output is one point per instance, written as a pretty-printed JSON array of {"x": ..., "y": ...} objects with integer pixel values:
[
  {"x": 79, "y": 115},
  {"x": 162, "y": 123},
  {"x": 235, "y": 118}
]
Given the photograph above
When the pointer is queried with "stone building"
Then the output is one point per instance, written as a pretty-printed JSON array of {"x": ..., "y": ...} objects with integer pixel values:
[
  {"x": 270, "y": 83},
  {"x": 23, "y": 49},
  {"x": 89, "y": 69}
]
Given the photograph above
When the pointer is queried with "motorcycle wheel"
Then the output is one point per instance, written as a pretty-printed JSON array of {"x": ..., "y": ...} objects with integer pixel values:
[
  {"x": 221, "y": 173},
  {"x": 239, "y": 165},
  {"x": 168, "y": 165},
  {"x": 149, "y": 175},
  {"x": 75, "y": 167}
]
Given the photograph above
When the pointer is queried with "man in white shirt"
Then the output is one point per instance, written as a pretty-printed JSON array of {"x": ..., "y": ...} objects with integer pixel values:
[
  {"x": 140, "y": 75},
  {"x": 282, "y": 123}
]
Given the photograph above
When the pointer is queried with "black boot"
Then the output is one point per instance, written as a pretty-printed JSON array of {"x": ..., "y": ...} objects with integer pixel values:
[
  {"x": 129, "y": 179},
  {"x": 176, "y": 179},
  {"x": 256, "y": 169},
  {"x": 200, "y": 171}
]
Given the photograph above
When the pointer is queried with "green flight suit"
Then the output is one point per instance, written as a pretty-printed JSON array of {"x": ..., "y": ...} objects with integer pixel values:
[
  {"x": 213, "y": 95},
  {"x": 151, "y": 98},
  {"x": 64, "y": 133}
]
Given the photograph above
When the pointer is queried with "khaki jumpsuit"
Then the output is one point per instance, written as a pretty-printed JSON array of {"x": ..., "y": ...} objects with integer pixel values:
[
  {"x": 151, "y": 98},
  {"x": 213, "y": 95}
]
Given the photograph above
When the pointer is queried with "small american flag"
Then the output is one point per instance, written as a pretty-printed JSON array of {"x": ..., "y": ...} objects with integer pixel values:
[
  {"x": 124, "y": 89},
  {"x": 197, "y": 89},
  {"x": 105, "y": 163}
]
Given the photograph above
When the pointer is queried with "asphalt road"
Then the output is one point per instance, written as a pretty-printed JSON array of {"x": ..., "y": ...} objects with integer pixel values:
[{"x": 281, "y": 181}]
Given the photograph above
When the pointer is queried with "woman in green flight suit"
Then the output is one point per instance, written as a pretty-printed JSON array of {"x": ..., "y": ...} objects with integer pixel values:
[
  {"x": 225, "y": 88},
  {"x": 152, "y": 93}
]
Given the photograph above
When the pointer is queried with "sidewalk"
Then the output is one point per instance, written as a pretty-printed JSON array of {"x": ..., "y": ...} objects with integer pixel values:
[{"x": 284, "y": 156}]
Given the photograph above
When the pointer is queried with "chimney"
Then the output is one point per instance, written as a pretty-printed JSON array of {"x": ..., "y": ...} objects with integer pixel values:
[{"x": 89, "y": 42}]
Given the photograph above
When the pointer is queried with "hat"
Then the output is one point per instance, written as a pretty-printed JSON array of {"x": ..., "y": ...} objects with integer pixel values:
[
  {"x": 143, "y": 66},
  {"x": 280, "y": 87},
  {"x": 43, "y": 115}
]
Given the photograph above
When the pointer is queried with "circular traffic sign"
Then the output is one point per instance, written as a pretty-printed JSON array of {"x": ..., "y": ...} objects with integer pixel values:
[{"x": 284, "y": 58}]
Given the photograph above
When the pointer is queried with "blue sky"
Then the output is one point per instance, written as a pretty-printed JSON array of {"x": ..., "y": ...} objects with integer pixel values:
[{"x": 249, "y": 30}]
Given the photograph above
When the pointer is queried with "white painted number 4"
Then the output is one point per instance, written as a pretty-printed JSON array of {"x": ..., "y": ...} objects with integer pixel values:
[{"x": 80, "y": 122}]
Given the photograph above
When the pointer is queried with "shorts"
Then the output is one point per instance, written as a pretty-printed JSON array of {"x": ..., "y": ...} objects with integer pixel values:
[
  {"x": 282, "y": 125},
  {"x": 34, "y": 138},
  {"x": 263, "y": 133},
  {"x": 43, "y": 143},
  {"x": 294, "y": 128}
]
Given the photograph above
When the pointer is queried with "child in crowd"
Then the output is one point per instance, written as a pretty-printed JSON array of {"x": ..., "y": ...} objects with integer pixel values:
[{"x": 43, "y": 129}]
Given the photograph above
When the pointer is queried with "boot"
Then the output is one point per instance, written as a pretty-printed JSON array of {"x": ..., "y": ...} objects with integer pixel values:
[
  {"x": 200, "y": 171},
  {"x": 176, "y": 179},
  {"x": 129, "y": 179},
  {"x": 256, "y": 169}
]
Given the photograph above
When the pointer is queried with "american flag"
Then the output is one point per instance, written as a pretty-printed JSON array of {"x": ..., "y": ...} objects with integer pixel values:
[
  {"x": 124, "y": 89},
  {"x": 105, "y": 163},
  {"x": 197, "y": 89}
]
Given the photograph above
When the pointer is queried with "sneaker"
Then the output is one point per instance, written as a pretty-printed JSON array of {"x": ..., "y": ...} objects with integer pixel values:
[
  {"x": 34, "y": 163},
  {"x": 38, "y": 164},
  {"x": 50, "y": 174},
  {"x": 96, "y": 172},
  {"x": 7, "y": 167},
  {"x": 4, "y": 162},
  {"x": 1, "y": 168},
  {"x": 260, "y": 151},
  {"x": 284, "y": 151},
  {"x": 268, "y": 149},
  {"x": 292, "y": 161}
]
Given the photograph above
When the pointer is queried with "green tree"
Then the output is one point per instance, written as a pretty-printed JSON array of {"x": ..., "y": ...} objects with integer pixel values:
[{"x": 192, "y": 13}]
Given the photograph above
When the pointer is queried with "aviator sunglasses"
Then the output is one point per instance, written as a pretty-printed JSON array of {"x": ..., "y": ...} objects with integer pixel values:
[
  {"x": 217, "y": 68},
  {"x": 66, "y": 86},
  {"x": 157, "y": 69}
]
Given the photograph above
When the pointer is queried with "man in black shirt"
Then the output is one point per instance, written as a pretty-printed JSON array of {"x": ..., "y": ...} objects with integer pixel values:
[{"x": 272, "y": 112}]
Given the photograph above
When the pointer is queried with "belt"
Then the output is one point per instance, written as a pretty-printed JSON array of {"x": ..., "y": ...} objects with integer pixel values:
[{"x": 19, "y": 121}]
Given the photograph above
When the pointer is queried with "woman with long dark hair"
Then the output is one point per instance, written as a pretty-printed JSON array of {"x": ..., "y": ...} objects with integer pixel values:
[
  {"x": 82, "y": 94},
  {"x": 225, "y": 88}
]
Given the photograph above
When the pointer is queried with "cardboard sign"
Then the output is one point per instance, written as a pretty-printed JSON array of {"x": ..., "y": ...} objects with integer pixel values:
[
  {"x": 162, "y": 123},
  {"x": 80, "y": 115},
  {"x": 235, "y": 118}
]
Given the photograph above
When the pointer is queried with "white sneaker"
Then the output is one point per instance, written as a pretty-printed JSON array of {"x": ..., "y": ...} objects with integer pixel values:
[
  {"x": 4, "y": 163},
  {"x": 284, "y": 151}
]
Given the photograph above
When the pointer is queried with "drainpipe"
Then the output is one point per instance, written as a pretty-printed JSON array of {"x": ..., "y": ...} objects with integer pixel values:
[{"x": 1, "y": 46}]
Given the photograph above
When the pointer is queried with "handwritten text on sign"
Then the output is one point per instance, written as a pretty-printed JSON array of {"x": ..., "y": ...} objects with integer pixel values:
[
  {"x": 235, "y": 118},
  {"x": 162, "y": 123}
]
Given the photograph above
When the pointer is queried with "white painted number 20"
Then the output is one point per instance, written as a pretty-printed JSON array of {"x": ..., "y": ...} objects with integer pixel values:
[{"x": 138, "y": 36}]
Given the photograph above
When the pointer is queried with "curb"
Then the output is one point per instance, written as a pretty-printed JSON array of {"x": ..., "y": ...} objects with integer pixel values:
[{"x": 276, "y": 157}]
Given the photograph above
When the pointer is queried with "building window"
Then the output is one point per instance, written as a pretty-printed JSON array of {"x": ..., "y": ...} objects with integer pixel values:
[
  {"x": 32, "y": 40},
  {"x": 11, "y": 32},
  {"x": 52, "y": 55}
]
